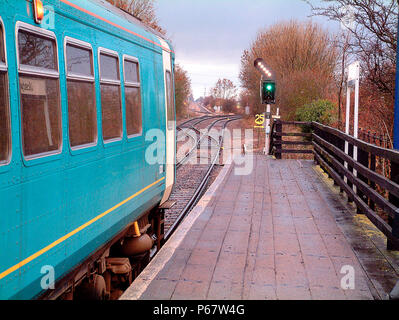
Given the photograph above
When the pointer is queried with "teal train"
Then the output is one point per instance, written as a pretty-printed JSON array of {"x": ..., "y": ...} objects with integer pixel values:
[{"x": 86, "y": 92}]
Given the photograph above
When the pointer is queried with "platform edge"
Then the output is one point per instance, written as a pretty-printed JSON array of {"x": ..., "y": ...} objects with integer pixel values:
[{"x": 140, "y": 285}]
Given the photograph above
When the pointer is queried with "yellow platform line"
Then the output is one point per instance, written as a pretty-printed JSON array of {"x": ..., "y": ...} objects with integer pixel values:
[{"x": 72, "y": 233}]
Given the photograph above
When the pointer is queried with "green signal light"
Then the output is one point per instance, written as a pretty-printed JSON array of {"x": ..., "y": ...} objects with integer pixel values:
[
  {"x": 269, "y": 87},
  {"x": 268, "y": 93}
]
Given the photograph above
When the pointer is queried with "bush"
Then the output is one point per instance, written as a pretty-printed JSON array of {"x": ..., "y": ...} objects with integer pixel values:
[{"x": 318, "y": 111}]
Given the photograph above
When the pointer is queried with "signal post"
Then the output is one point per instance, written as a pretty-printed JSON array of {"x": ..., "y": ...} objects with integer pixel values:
[{"x": 268, "y": 95}]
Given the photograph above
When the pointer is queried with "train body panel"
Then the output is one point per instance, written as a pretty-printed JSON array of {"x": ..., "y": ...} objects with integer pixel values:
[
  {"x": 58, "y": 208},
  {"x": 170, "y": 130}
]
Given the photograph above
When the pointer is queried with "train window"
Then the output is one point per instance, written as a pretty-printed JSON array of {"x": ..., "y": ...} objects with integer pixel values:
[
  {"x": 5, "y": 136},
  {"x": 170, "y": 100},
  {"x": 82, "y": 112},
  {"x": 132, "y": 71},
  {"x": 79, "y": 60},
  {"x": 37, "y": 51},
  {"x": 134, "y": 125},
  {"x": 111, "y": 112},
  {"x": 110, "y": 96},
  {"x": 40, "y": 92},
  {"x": 4, "y": 120},
  {"x": 109, "y": 67},
  {"x": 40, "y": 115}
]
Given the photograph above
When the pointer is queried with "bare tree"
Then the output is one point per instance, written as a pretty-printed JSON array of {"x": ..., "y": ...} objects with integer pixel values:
[
  {"x": 303, "y": 58},
  {"x": 342, "y": 43},
  {"x": 141, "y": 9},
  {"x": 372, "y": 39},
  {"x": 224, "y": 94},
  {"x": 183, "y": 90},
  {"x": 224, "y": 90},
  {"x": 373, "y": 36}
]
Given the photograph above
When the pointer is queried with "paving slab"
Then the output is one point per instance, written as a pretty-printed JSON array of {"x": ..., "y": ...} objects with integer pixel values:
[{"x": 280, "y": 237}]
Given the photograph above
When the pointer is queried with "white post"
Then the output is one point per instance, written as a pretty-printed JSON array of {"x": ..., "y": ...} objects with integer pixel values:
[
  {"x": 268, "y": 129},
  {"x": 353, "y": 78},
  {"x": 347, "y": 124},
  {"x": 356, "y": 125}
]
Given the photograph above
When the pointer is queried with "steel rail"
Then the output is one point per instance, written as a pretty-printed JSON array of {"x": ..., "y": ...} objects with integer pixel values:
[
  {"x": 199, "y": 191},
  {"x": 195, "y": 147},
  {"x": 200, "y": 119},
  {"x": 188, "y": 121},
  {"x": 183, "y": 160}
]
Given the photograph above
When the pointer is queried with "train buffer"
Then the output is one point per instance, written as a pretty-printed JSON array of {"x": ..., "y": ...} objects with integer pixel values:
[{"x": 282, "y": 232}]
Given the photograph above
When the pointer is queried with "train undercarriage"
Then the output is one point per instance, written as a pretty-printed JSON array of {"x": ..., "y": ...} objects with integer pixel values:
[{"x": 108, "y": 272}]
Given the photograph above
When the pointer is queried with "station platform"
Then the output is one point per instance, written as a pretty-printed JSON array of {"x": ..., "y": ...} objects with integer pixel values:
[{"x": 280, "y": 233}]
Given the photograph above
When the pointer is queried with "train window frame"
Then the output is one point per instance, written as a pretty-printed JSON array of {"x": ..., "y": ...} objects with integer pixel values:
[
  {"x": 37, "y": 71},
  {"x": 111, "y": 53},
  {"x": 83, "y": 45},
  {"x": 4, "y": 66},
  {"x": 129, "y": 84},
  {"x": 26, "y": 70},
  {"x": 4, "y": 69},
  {"x": 86, "y": 79},
  {"x": 106, "y": 81}
]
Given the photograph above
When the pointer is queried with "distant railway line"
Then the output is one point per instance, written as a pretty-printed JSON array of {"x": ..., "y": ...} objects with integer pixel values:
[{"x": 195, "y": 167}]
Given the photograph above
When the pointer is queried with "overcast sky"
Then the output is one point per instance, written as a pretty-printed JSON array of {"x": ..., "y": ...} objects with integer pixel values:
[{"x": 209, "y": 36}]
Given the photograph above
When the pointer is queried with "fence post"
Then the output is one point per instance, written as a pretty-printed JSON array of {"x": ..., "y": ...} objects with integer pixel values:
[
  {"x": 363, "y": 158},
  {"x": 335, "y": 141},
  {"x": 395, "y": 225},
  {"x": 316, "y": 131},
  {"x": 372, "y": 184},
  {"x": 350, "y": 184},
  {"x": 279, "y": 131},
  {"x": 394, "y": 222}
]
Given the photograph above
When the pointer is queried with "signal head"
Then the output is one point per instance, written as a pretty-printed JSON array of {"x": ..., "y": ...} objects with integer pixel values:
[
  {"x": 263, "y": 68},
  {"x": 268, "y": 92}
]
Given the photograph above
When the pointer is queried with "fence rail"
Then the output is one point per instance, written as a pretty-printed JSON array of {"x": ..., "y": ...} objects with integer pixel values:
[
  {"x": 382, "y": 140},
  {"x": 278, "y": 139},
  {"x": 372, "y": 192}
]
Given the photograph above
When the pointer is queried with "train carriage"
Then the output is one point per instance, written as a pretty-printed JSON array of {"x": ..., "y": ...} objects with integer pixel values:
[{"x": 81, "y": 85}]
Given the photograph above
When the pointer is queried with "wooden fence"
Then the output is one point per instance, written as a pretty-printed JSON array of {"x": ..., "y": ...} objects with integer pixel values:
[{"x": 373, "y": 193}]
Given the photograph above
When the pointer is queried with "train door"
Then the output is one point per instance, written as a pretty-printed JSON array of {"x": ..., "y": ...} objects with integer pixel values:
[{"x": 170, "y": 121}]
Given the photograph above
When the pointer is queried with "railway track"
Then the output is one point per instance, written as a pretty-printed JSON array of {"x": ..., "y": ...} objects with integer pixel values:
[
  {"x": 196, "y": 121},
  {"x": 192, "y": 178},
  {"x": 198, "y": 139}
]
